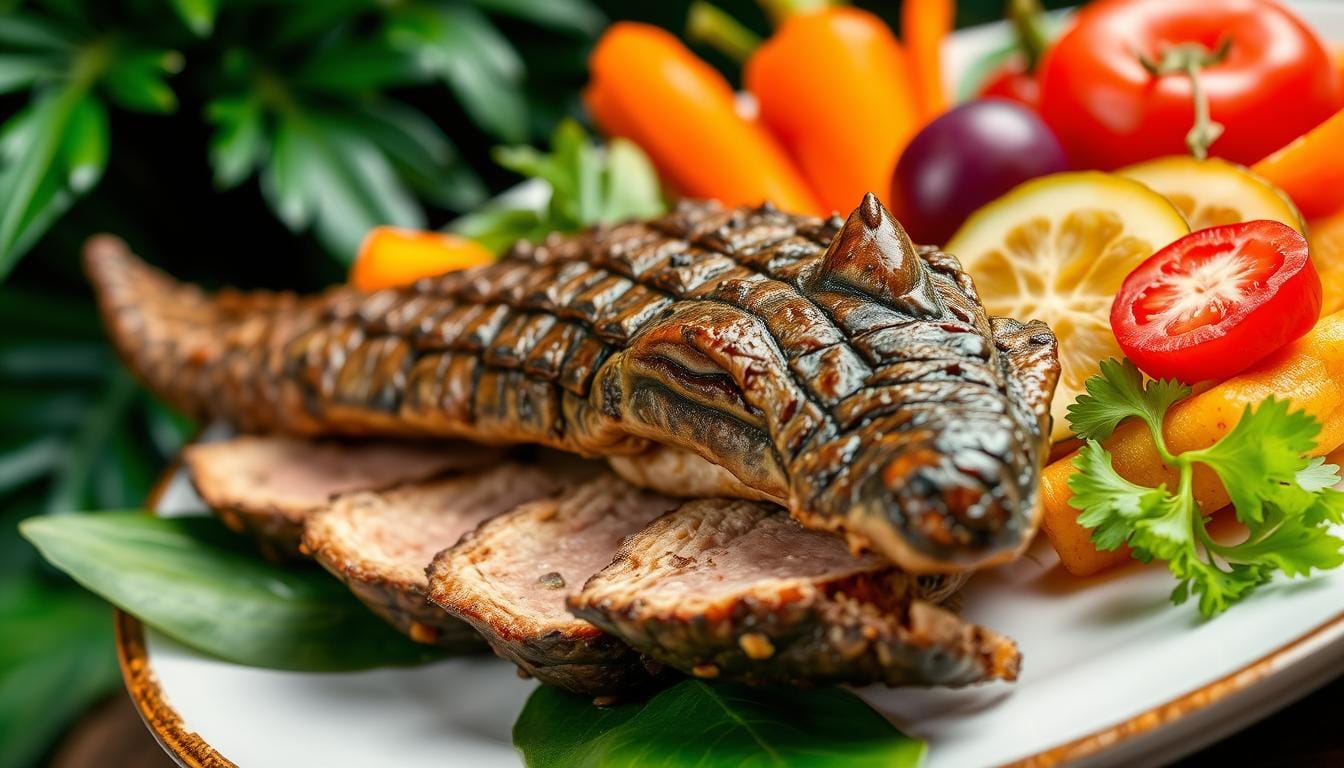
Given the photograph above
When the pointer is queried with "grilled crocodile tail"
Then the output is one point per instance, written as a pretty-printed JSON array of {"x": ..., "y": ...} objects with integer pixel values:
[{"x": 825, "y": 363}]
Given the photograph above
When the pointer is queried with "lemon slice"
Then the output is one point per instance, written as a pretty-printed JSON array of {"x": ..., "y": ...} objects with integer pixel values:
[
  {"x": 1057, "y": 249},
  {"x": 1212, "y": 192}
]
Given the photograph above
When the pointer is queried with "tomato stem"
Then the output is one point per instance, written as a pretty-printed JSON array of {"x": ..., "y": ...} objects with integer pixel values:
[
  {"x": 1029, "y": 24},
  {"x": 1189, "y": 59}
]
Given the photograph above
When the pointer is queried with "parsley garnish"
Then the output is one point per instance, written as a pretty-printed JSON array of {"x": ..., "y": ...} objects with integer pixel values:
[{"x": 1285, "y": 499}]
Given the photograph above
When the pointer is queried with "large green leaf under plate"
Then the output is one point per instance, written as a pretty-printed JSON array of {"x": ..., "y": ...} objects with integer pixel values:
[
  {"x": 194, "y": 581},
  {"x": 696, "y": 723}
]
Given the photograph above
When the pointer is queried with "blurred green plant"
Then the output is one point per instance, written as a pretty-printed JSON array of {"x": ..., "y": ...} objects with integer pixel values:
[
  {"x": 337, "y": 112},
  {"x": 301, "y": 93},
  {"x": 78, "y": 434}
]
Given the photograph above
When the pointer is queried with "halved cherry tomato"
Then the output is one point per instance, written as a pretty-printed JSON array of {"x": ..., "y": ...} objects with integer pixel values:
[
  {"x": 1216, "y": 301},
  {"x": 1273, "y": 82}
]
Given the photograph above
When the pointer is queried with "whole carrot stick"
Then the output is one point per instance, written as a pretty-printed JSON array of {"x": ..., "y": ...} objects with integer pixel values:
[
  {"x": 834, "y": 86},
  {"x": 1309, "y": 373},
  {"x": 925, "y": 24},
  {"x": 648, "y": 87}
]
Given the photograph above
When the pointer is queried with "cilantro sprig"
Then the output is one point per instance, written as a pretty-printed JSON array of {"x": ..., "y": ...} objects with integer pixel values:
[{"x": 1284, "y": 498}]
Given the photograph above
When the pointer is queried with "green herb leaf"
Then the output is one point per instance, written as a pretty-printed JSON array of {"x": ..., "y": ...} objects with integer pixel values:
[
  {"x": 588, "y": 186},
  {"x": 499, "y": 227},
  {"x": 1284, "y": 499},
  {"x": 199, "y": 584},
  {"x": 1118, "y": 393},
  {"x": 632, "y": 189},
  {"x": 695, "y": 723},
  {"x": 1264, "y": 450},
  {"x": 1110, "y": 504}
]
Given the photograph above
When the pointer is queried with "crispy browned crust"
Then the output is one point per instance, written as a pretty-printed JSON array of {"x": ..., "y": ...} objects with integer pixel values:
[
  {"x": 225, "y": 475},
  {"x": 864, "y": 624},
  {"x": 824, "y": 363},
  {"x": 566, "y": 652}
]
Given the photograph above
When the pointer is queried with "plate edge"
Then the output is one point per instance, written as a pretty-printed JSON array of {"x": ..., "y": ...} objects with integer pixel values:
[{"x": 1198, "y": 700}]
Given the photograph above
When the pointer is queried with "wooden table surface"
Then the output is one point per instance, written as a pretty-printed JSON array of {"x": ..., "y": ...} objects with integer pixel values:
[{"x": 1308, "y": 734}]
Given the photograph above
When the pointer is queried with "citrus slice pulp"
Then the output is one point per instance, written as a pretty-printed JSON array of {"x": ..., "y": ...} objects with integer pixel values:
[
  {"x": 1213, "y": 191},
  {"x": 1057, "y": 249}
]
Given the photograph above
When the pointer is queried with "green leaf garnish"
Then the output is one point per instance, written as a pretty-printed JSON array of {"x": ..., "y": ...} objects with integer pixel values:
[
  {"x": 589, "y": 185},
  {"x": 696, "y": 723},
  {"x": 196, "y": 582},
  {"x": 1118, "y": 393},
  {"x": 1284, "y": 498}
]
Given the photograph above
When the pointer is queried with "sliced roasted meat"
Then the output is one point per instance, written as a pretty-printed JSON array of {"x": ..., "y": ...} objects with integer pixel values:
[
  {"x": 509, "y": 579},
  {"x": 379, "y": 543},
  {"x": 737, "y": 590},
  {"x": 266, "y": 486},
  {"x": 827, "y": 364}
]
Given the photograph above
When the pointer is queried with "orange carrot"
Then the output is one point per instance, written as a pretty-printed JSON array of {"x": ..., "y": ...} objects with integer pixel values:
[
  {"x": 1309, "y": 373},
  {"x": 391, "y": 257},
  {"x": 834, "y": 86},
  {"x": 648, "y": 87},
  {"x": 1311, "y": 169},
  {"x": 925, "y": 24}
]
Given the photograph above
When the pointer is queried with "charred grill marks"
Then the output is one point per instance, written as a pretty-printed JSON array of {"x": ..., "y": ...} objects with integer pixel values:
[{"x": 767, "y": 343}]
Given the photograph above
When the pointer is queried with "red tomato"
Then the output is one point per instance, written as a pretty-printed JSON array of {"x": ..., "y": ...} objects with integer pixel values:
[
  {"x": 1275, "y": 84},
  {"x": 1213, "y": 303},
  {"x": 1013, "y": 83}
]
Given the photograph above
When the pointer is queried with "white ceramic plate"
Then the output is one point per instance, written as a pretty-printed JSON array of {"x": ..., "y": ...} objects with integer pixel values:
[{"x": 1114, "y": 674}]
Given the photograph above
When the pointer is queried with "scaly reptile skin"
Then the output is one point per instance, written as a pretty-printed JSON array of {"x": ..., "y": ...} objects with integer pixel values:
[{"x": 826, "y": 363}]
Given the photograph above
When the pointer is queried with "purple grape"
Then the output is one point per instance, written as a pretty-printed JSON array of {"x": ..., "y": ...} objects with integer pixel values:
[{"x": 967, "y": 157}]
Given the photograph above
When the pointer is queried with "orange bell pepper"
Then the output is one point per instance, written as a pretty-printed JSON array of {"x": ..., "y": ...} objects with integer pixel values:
[
  {"x": 835, "y": 87},
  {"x": 1309, "y": 373},
  {"x": 1311, "y": 169},
  {"x": 391, "y": 257},
  {"x": 649, "y": 88},
  {"x": 925, "y": 24}
]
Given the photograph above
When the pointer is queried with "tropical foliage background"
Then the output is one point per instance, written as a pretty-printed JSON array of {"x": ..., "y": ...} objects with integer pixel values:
[{"x": 245, "y": 142}]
